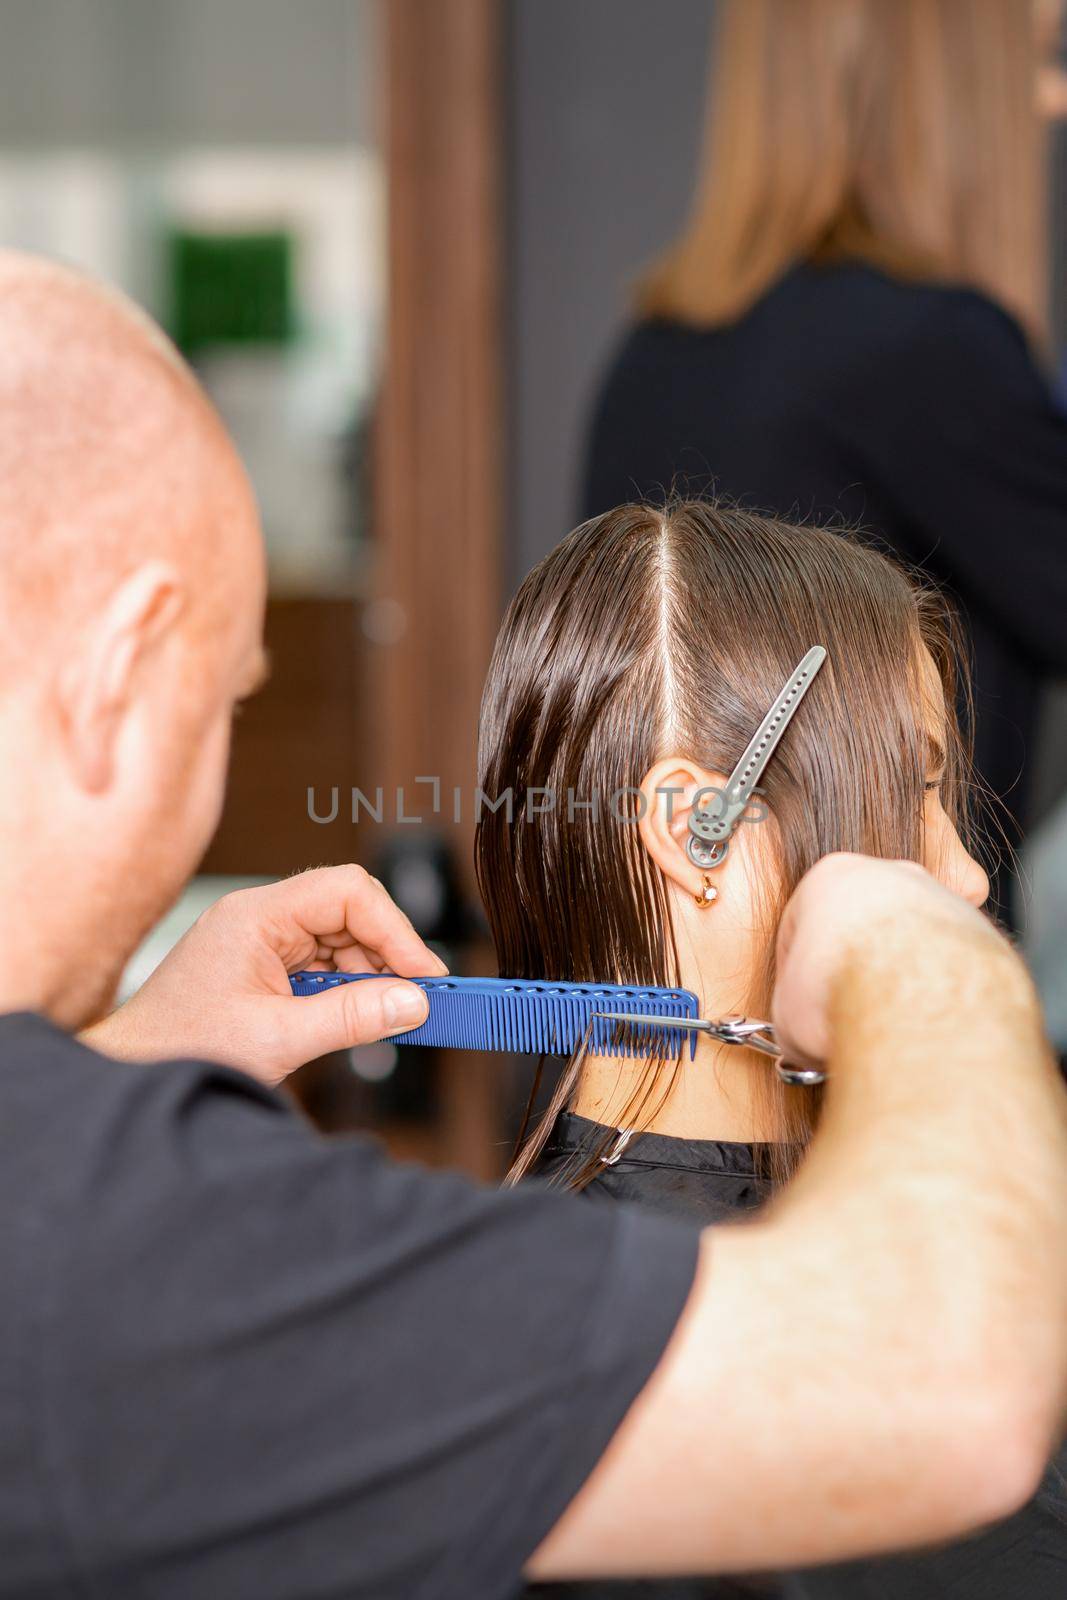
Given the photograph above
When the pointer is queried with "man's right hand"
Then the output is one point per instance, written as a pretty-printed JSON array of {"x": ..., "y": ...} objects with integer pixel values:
[{"x": 844, "y": 908}]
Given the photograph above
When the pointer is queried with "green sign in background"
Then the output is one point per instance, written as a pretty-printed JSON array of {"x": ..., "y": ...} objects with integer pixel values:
[{"x": 230, "y": 289}]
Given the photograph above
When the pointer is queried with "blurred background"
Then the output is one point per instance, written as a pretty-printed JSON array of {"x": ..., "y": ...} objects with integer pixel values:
[{"x": 398, "y": 239}]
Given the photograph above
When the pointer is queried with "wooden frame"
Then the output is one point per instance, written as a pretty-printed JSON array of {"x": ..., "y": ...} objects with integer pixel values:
[
  {"x": 440, "y": 432},
  {"x": 439, "y": 453}
]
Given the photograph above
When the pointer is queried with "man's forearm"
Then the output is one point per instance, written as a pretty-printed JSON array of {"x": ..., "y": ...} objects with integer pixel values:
[
  {"x": 113, "y": 1035},
  {"x": 927, "y": 1226},
  {"x": 879, "y": 1358},
  {"x": 946, "y": 1101},
  {"x": 938, "y": 1183}
]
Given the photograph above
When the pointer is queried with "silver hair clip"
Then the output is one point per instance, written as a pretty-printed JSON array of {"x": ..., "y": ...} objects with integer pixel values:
[{"x": 710, "y": 830}]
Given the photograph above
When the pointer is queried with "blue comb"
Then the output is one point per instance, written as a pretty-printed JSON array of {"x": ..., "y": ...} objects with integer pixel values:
[{"x": 536, "y": 1018}]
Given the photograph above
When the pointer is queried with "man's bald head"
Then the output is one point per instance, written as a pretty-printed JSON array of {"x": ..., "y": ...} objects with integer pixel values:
[
  {"x": 110, "y": 455},
  {"x": 131, "y": 608}
]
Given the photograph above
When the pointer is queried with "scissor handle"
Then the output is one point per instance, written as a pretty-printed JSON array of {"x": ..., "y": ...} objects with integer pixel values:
[
  {"x": 747, "y": 1031},
  {"x": 761, "y": 1036}
]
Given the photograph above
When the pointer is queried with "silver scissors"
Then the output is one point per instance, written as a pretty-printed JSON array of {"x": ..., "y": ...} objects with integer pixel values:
[{"x": 744, "y": 1031}]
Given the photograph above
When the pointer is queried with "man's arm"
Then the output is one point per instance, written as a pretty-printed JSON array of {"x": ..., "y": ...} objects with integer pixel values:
[{"x": 881, "y": 1358}]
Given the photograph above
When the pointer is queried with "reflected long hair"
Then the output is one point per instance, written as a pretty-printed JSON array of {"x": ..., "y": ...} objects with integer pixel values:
[
  {"x": 902, "y": 132},
  {"x": 650, "y": 633}
]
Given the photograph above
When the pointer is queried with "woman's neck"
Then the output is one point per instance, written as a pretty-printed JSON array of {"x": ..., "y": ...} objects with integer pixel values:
[
  {"x": 725, "y": 1092},
  {"x": 722, "y": 1093}
]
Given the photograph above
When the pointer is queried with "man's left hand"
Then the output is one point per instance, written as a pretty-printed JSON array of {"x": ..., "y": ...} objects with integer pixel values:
[{"x": 223, "y": 993}]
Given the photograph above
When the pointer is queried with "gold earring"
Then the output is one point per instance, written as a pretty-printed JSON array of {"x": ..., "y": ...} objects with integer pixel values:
[{"x": 707, "y": 894}]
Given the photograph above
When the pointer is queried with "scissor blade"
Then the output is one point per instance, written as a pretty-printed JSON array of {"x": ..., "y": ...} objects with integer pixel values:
[
  {"x": 718, "y": 1030},
  {"x": 684, "y": 1024}
]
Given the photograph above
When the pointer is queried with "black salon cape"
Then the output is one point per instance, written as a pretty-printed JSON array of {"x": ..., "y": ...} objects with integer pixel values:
[
  {"x": 914, "y": 410},
  {"x": 243, "y": 1362},
  {"x": 707, "y": 1181}
]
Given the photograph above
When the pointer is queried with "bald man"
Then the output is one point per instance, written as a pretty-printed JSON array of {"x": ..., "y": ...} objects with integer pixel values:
[{"x": 239, "y": 1359}]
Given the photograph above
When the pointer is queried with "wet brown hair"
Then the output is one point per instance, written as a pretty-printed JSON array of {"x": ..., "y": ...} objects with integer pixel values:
[{"x": 655, "y": 632}]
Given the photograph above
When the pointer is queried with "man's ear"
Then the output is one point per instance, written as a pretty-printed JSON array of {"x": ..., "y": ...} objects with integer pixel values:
[
  {"x": 670, "y": 790},
  {"x": 97, "y": 680}
]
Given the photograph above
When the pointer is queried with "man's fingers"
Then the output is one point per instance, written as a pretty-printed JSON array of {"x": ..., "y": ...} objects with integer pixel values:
[
  {"x": 332, "y": 899},
  {"x": 347, "y": 1015},
  {"x": 353, "y": 958}
]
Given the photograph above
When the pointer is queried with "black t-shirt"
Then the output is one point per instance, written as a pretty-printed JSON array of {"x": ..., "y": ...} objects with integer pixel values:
[
  {"x": 238, "y": 1359},
  {"x": 914, "y": 410}
]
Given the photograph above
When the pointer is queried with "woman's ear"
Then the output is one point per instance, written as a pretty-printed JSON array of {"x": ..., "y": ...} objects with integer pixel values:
[{"x": 670, "y": 790}]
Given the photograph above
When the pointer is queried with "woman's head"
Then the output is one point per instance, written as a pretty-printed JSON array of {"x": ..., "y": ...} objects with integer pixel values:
[
  {"x": 900, "y": 131},
  {"x": 631, "y": 670}
]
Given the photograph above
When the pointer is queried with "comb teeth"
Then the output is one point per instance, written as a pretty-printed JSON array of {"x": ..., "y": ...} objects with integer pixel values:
[{"x": 534, "y": 1018}]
